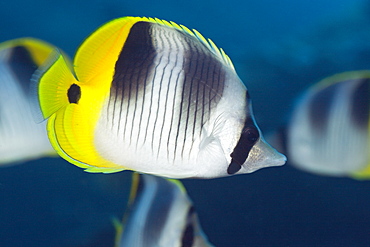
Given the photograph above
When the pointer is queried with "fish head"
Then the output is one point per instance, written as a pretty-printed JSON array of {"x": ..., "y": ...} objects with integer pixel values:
[
  {"x": 251, "y": 152},
  {"x": 237, "y": 146},
  {"x": 261, "y": 155},
  {"x": 233, "y": 143}
]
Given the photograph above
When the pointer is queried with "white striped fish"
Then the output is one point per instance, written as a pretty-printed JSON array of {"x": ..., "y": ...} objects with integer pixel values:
[
  {"x": 159, "y": 214},
  {"x": 21, "y": 138},
  {"x": 328, "y": 133},
  {"x": 155, "y": 97}
]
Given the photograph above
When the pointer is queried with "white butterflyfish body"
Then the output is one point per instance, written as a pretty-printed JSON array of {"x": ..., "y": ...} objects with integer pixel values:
[{"x": 152, "y": 96}]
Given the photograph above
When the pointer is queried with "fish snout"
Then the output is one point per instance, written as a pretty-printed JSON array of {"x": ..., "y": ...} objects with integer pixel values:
[{"x": 262, "y": 155}]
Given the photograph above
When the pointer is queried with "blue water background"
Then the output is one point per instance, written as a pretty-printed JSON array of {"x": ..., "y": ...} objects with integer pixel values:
[{"x": 278, "y": 48}]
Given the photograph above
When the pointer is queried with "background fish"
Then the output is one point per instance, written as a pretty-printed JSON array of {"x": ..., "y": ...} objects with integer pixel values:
[
  {"x": 160, "y": 214},
  {"x": 328, "y": 132},
  {"x": 152, "y": 96},
  {"x": 21, "y": 138}
]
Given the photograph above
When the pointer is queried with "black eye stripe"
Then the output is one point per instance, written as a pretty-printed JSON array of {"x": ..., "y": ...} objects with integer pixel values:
[
  {"x": 248, "y": 138},
  {"x": 360, "y": 104},
  {"x": 234, "y": 167}
]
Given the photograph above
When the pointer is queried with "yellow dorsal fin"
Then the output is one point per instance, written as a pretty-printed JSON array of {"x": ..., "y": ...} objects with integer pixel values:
[
  {"x": 99, "y": 52},
  {"x": 207, "y": 42}
]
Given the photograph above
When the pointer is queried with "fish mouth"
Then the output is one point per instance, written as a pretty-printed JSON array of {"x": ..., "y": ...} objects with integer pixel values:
[
  {"x": 274, "y": 158},
  {"x": 262, "y": 155}
]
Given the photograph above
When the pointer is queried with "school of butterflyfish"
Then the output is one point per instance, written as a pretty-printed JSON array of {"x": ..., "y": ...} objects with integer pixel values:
[{"x": 155, "y": 97}]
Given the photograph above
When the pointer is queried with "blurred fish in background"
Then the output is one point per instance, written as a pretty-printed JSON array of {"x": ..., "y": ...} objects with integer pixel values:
[
  {"x": 328, "y": 132},
  {"x": 159, "y": 213},
  {"x": 21, "y": 138}
]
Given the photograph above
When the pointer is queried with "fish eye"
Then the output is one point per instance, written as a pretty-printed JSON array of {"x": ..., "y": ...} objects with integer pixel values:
[
  {"x": 74, "y": 93},
  {"x": 251, "y": 135}
]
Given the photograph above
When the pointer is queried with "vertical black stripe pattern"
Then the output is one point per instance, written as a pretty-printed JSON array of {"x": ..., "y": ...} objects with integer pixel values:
[
  {"x": 23, "y": 66},
  {"x": 203, "y": 86},
  {"x": 130, "y": 77},
  {"x": 360, "y": 104},
  {"x": 320, "y": 106},
  {"x": 159, "y": 212},
  {"x": 165, "y": 85}
]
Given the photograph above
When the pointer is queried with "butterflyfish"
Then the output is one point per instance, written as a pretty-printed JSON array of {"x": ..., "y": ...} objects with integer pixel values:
[
  {"x": 328, "y": 133},
  {"x": 154, "y": 97},
  {"x": 160, "y": 213},
  {"x": 21, "y": 137}
]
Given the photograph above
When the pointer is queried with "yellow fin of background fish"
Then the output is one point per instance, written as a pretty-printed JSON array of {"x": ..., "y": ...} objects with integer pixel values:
[
  {"x": 134, "y": 186},
  {"x": 348, "y": 75},
  {"x": 39, "y": 49},
  {"x": 118, "y": 226},
  {"x": 363, "y": 174},
  {"x": 178, "y": 184}
]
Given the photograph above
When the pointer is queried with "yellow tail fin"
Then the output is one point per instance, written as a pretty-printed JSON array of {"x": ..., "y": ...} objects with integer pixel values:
[{"x": 52, "y": 81}]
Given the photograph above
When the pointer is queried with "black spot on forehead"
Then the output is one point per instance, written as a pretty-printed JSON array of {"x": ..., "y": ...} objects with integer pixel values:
[{"x": 360, "y": 104}]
